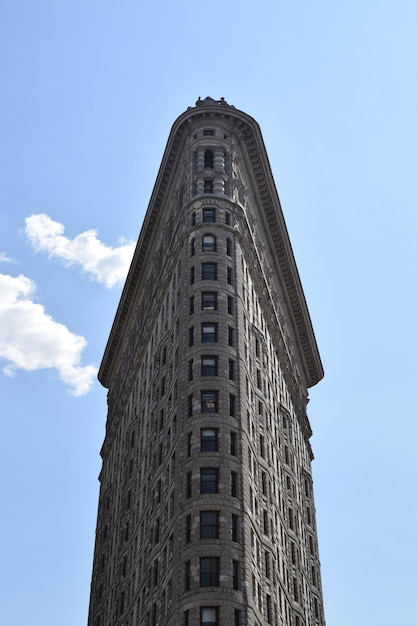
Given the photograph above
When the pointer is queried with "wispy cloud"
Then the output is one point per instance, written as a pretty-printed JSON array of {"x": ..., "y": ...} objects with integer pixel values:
[
  {"x": 102, "y": 263},
  {"x": 4, "y": 258},
  {"x": 30, "y": 339}
]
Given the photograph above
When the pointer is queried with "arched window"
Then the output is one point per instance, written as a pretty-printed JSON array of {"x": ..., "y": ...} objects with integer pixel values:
[{"x": 209, "y": 243}]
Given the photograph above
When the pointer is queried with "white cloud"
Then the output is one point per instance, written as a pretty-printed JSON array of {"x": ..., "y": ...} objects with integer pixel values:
[
  {"x": 30, "y": 339},
  {"x": 102, "y": 263},
  {"x": 4, "y": 258}
]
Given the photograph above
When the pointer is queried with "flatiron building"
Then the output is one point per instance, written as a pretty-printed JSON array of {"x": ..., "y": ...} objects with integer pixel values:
[{"x": 206, "y": 513}]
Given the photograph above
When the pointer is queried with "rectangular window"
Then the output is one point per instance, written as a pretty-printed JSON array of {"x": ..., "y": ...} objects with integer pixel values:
[
  {"x": 209, "y": 524},
  {"x": 233, "y": 443},
  {"x": 208, "y": 132},
  {"x": 232, "y": 405},
  {"x": 237, "y": 617},
  {"x": 209, "y": 271},
  {"x": 236, "y": 574},
  {"x": 266, "y": 522},
  {"x": 209, "y": 616},
  {"x": 191, "y": 305},
  {"x": 190, "y": 369},
  {"x": 231, "y": 369},
  {"x": 192, "y": 247},
  {"x": 208, "y": 332},
  {"x": 209, "y": 365},
  {"x": 191, "y": 336},
  {"x": 188, "y": 528},
  {"x": 209, "y": 440},
  {"x": 293, "y": 553},
  {"x": 229, "y": 276},
  {"x": 262, "y": 445},
  {"x": 258, "y": 379},
  {"x": 209, "y": 215},
  {"x": 267, "y": 564},
  {"x": 190, "y": 405},
  {"x": 268, "y": 609},
  {"x": 209, "y": 401},
  {"x": 186, "y": 618},
  {"x": 208, "y": 301},
  {"x": 235, "y": 528},
  {"x": 188, "y": 485},
  {"x": 209, "y": 480},
  {"x": 187, "y": 575},
  {"x": 295, "y": 589},
  {"x": 231, "y": 336},
  {"x": 264, "y": 483},
  {"x": 189, "y": 439},
  {"x": 234, "y": 484},
  {"x": 209, "y": 571},
  {"x": 230, "y": 305},
  {"x": 192, "y": 275}
]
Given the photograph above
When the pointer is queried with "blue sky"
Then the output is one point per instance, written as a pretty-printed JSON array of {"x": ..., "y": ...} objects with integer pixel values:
[{"x": 89, "y": 93}]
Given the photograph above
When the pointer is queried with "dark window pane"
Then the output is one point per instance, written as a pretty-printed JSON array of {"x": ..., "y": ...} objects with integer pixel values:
[
  {"x": 209, "y": 525},
  {"x": 208, "y": 301},
  {"x": 209, "y": 480},
  {"x": 209, "y": 366},
  {"x": 209, "y": 440},
  {"x": 209, "y": 271},
  {"x": 209, "y": 215},
  {"x": 208, "y": 158},
  {"x": 209, "y": 572}
]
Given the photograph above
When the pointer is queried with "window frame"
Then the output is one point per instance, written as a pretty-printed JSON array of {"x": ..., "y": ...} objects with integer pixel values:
[
  {"x": 209, "y": 443},
  {"x": 209, "y": 247},
  {"x": 210, "y": 527},
  {"x": 209, "y": 401},
  {"x": 205, "y": 334},
  {"x": 209, "y": 365},
  {"x": 209, "y": 571},
  {"x": 209, "y": 480},
  {"x": 209, "y": 215},
  {"x": 210, "y": 609},
  {"x": 209, "y": 271},
  {"x": 206, "y": 298}
]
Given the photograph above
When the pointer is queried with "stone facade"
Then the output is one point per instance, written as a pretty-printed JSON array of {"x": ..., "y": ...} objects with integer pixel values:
[{"x": 206, "y": 513}]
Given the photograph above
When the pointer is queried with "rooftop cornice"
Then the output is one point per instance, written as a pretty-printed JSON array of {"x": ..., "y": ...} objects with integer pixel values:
[{"x": 267, "y": 193}]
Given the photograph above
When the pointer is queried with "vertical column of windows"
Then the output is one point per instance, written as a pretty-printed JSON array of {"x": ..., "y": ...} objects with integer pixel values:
[{"x": 209, "y": 404}]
